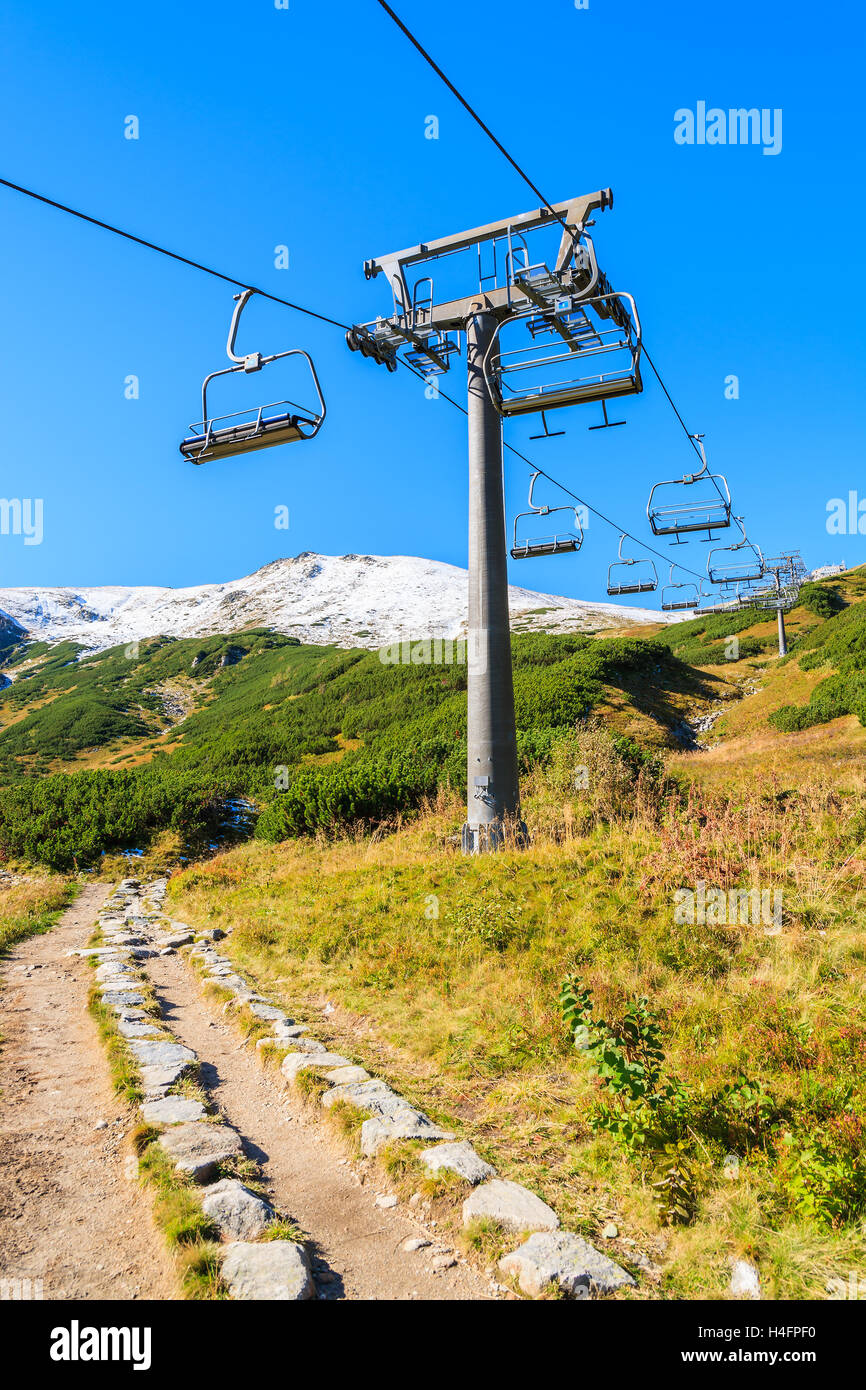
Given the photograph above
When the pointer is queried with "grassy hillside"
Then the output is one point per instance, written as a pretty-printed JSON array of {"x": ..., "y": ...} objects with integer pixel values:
[
  {"x": 109, "y": 750},
  {"x": 715, "y": 1105},
  {"x": 446, "y": 972},
  {"x": 803, "y": 718}
]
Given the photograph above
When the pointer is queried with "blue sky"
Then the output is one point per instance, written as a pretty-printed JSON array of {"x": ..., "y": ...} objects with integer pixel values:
[{"x": 305, "y": 127}]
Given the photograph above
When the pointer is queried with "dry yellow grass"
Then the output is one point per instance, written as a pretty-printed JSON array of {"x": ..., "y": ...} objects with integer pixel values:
[
  {"x": 444, "y": 973},
  {"x": 30, "y": 903}
]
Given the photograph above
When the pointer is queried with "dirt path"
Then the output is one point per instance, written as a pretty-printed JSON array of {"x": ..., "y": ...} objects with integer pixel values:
[
  {"x": 357, "y": 1243},
  {"x": 68, "y": 1215}
]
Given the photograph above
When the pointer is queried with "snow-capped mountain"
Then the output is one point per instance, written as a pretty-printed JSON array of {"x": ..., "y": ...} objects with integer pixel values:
[{"x": 347, "y": 600}]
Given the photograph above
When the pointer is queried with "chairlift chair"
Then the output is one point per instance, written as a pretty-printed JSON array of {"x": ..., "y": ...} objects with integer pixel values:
[
  {"x": 708, "y": 509},
  {"x": 261, "y": 427},
  {"x": 745, "y": 561},
  {"x": 748, "y": 590},
  {"x": 596, "y": 358},
  {"x": 639, "y": 584},
  {"x": 675, "y": 602},
  {"x": 562, "y": 543}
]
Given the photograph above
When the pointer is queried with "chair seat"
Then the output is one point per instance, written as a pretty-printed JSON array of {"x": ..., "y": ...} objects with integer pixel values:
[
  {"x": 646, "y": 588},
  {"x": 556, "y": 545},
  {"x": 243, "y": 438},
  {"x": 570, "y": 393}
]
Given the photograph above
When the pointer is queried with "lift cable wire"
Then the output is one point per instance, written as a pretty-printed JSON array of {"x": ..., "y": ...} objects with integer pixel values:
[
  {"x": 536, "y": 468},
  {"x": 323, "y": 318},
  {"x": 472, "y": 112},
  {"x": 522, "y": 172},
  {"x": 173, "y": 255}
]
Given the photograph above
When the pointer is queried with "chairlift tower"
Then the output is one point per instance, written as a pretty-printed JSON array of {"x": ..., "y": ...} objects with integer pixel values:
[
  {"x": 787, "y": 572},
  {"x": 572, "y": 303}
]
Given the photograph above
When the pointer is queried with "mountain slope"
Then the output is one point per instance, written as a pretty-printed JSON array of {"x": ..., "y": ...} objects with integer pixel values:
[{"x": 344, "y": 601}]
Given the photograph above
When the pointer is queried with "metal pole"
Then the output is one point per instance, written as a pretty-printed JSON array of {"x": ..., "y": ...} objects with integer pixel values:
[
  {"x": 780, "y": 615},
  {"x": 493, "y": 793}
]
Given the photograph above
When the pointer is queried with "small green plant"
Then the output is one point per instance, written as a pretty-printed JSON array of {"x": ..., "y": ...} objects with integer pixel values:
[
  {"x": 283, "y": 1230},
  {"x": 646, "y": 1111},
  {"x": 491, "y": 923},
  {"x": 822, "y": 1183},
  {"x": 676, "y": 1188},
  {"x": 628, "y": 1057}
]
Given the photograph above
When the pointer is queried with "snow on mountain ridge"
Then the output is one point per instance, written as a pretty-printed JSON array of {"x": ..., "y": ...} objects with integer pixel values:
[{"x": 346, "y": 600}]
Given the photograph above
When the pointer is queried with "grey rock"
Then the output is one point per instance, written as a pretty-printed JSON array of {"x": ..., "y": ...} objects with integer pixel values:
[
  {"x": 386, "y": 1200},
  {"x": 403, "y": 1124},
  {"x": 275, "y": 1270},
  {"x": 172, "y": 1110},
  {"x": 311, "y": 1061},
  {"x": 745, "y": 1280},
  {"x": 123, "y": 999},
  {"x": 304, "y": 1044},
  {"x": 414, "y": 1243},
  {"x": 269, "y": 1012},
  {"x": 373, "y": 1096},
  {"x": 566, "y": 1260},
  {"x": 233, "y": 983},
  {"x": 442, "y": 1262},
  {"x": 156, "y": 1080},
  {"x": 512, "y": 1206},
  {"x": 458, "y": 1158},
  {"x": 290, "y": 1030},
  {"x": 197, "y": 1149},
  {"x": 239, "y": 1213},
  {"x": 92, "y": 951},
  {"x": 161, "y": 1054},
  {"x": 114, "y": 969},
  {"x": 136, "y": 1028},
  {"x": 175, "y": 939},
  {"x": 341, "y": 1076},
  {"x": 115, "y": 986}
]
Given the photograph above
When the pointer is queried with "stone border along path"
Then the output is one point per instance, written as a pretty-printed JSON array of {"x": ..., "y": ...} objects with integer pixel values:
[
  {"x": 196, "y": 1143},
  {"x": 547, "y": 1256},
  {"x": 359, "y": 1262}
]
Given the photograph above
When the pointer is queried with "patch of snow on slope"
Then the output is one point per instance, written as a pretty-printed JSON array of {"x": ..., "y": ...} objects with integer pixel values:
[{"x": 346, "y": 600}]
